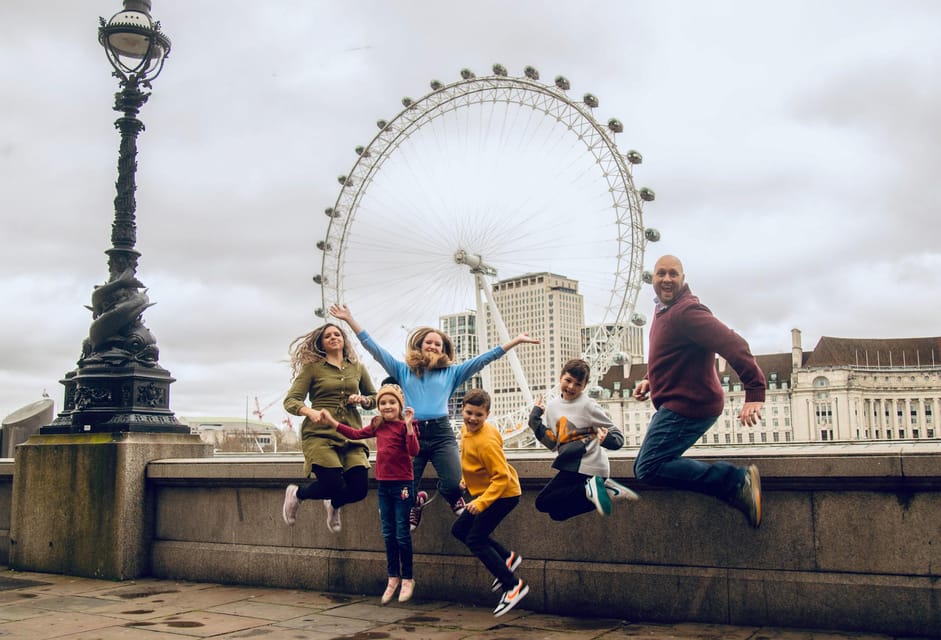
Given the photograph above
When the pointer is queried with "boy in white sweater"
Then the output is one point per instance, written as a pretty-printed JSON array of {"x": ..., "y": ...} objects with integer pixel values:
[{"x": 580, "y": 432}]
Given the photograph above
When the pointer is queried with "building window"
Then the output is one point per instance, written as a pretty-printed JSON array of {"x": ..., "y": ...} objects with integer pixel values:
[
  {"x": 820, "y": 384},
  {"x": 824, "y": 413}
]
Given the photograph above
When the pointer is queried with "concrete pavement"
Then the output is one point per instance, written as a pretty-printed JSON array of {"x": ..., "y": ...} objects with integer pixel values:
[{"x": 41, "y": 606}]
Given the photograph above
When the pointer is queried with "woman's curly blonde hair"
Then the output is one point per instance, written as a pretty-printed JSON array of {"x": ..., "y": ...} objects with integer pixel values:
[
  {"x": 420, "y": 361},
  {"x": 309, "y": 348}
]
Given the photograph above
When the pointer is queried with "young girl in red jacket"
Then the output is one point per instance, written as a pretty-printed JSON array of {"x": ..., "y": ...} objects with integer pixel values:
[{"x": 396, "y": 445}]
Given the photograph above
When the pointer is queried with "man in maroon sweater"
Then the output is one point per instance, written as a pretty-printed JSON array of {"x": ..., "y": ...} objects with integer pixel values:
[{"x": 684, "y": 387}]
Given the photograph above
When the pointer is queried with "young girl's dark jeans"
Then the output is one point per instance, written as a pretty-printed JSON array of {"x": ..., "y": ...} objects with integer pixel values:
[{"x": 396, "y": 499}]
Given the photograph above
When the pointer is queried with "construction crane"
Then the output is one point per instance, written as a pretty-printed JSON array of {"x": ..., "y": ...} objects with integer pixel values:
[{"x": 259, "y": 411}]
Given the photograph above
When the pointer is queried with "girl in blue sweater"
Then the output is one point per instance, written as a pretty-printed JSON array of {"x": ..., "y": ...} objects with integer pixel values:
[{"x": 428, "y": 377}]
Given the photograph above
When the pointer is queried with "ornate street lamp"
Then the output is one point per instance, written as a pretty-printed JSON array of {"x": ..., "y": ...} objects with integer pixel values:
[{"x": 118, "y": 385}]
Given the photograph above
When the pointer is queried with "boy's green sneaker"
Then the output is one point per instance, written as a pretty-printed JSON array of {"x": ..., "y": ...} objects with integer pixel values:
[{"x": 598, "y": 495}]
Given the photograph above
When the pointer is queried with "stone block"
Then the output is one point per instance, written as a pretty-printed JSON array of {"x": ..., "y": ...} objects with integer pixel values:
[
  {"x": 896, "y": 605},
  {"x": 888, "y": 533},
  {"x": 81, "y": 504}
]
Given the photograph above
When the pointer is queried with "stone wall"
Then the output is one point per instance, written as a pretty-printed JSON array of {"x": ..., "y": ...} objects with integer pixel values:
[{"x": 850, "y": 541}]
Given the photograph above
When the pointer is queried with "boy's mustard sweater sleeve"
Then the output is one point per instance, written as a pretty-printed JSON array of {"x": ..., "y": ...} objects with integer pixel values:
[{"x": 490, "y": 452}]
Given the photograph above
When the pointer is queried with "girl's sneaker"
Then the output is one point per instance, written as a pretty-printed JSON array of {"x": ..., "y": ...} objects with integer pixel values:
[
  {"x": 333, "y": 517},
  {"x": 291, "y": 503},
  {"x": 408, "y": 588},
  {"x": 390, "y": 590},
  {"x": 414, "y": 514}
]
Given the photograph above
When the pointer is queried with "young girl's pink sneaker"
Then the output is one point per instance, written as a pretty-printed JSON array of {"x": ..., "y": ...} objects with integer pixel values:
[
  {"x": 390, "y": 590},
  {"x": 408, "y": 587}
]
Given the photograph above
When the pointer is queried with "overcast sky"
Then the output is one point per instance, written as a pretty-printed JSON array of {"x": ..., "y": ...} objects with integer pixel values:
[{"x": 793, "y": 147}]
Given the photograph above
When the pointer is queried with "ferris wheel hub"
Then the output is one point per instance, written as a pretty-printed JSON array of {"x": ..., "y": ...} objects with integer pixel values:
[{"x": 475, "y": 262}]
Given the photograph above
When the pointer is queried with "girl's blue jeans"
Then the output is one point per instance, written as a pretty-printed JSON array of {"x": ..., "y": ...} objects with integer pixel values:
[
  {"x": 439, "y": 447},
  {"x": 396, "y": 498}
]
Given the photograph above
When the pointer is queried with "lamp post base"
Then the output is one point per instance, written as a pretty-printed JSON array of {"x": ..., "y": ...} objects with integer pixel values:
[
  {"x": 82, "y": 504},
  {"x": 109, "y": 399}
]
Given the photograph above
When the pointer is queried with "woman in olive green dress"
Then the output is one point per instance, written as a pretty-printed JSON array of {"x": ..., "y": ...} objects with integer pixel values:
[{"x": 326, "y": 371}]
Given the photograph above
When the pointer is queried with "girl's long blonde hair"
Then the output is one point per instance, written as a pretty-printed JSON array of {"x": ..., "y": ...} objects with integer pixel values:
[
  {"x": 419, "y": 361},
  {"x": 309, "y": 348}
]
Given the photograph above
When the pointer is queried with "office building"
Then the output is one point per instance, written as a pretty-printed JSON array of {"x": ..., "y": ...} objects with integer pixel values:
[
  {"x": 462, "y": 329},
  {"x": 549, "y": 307}
]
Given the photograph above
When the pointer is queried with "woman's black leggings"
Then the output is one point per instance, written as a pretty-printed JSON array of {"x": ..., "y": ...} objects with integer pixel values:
[{"x": 336, "y": 485}]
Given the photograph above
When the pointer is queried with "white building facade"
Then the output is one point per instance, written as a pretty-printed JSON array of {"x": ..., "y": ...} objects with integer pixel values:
[{"x": 844, "y": 390}]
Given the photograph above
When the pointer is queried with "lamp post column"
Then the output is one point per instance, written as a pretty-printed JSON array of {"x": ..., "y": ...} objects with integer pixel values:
[{"x": 119, "y": 385}]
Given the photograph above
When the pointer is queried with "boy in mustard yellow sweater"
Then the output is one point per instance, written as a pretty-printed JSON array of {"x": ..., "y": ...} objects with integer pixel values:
[{"x": 495, "y": 488}]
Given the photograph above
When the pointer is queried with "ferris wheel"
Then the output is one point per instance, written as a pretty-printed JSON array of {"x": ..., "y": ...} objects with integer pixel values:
[{"x": 480, "y": 179}]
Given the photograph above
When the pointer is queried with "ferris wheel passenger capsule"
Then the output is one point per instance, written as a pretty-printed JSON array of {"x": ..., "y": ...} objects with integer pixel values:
[
  {"x": 647, "y": 277},
  {"x": 634, "y": 157},
  {"x": 590, "y": 100},
  {"x": 436, "y": 85},
  {"x": 318, "y": 312},
  {"x": 324, "y": 246},
  {"x": 531, "y": 72},
  {"x": 638, "y": 319},
  {"x": 563, "y": 83},
  {"x": 499, "y": 70},
  {"x": 647, "y": 195},
  {"x": 318, "y": 279},
  {"x": 382, "y": 124},
  {"x": 652, "y": 234},
  {"x": 407, "y": 102},
  {"x": 615, "y": 125},
  {"x": 344, "y": 180},
  {"x": 330, "y": 212},
  {"x": 595, "y": 392},
  {"x": 620, "y": 357},
  {"x": 467, "y": 74}
]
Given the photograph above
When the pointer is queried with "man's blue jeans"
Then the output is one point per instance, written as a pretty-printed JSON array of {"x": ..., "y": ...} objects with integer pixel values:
[
  {"x": 659, "y": 460},
  {"x": 396, "y": 499}
]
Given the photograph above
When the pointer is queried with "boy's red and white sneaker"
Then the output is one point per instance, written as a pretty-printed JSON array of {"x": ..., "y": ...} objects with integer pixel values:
[
  {"x": 511, "y": 598},
  {"x": 512, "y": 562}
]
